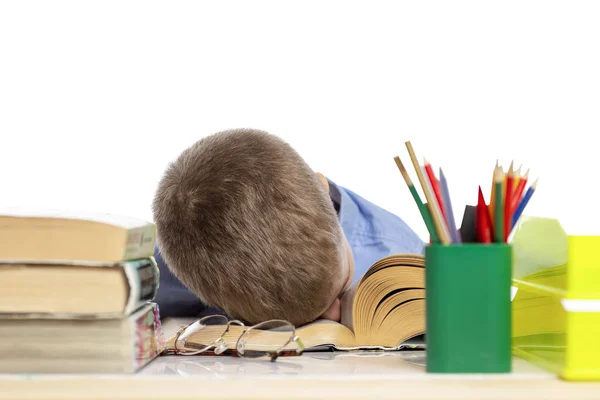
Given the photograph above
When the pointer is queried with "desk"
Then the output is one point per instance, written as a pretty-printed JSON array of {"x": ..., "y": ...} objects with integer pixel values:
[{"x": 328, "y": 375}]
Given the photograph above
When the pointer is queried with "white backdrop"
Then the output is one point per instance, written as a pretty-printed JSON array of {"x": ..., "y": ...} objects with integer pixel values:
[{"x": 96, "y": 98}]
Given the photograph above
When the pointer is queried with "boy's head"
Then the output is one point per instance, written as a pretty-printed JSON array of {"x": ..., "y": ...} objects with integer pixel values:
[{"x": 248, "y": 227}]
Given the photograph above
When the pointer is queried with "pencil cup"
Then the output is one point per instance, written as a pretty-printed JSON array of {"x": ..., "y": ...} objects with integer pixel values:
[{"x": 468, "y": 308}]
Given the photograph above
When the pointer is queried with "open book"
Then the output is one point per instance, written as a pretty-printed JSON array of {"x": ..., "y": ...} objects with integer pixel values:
[{"x": 384, "y": 310}]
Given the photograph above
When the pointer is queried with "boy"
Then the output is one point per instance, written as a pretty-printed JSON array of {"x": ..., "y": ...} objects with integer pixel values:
[{"x": 245, "y": 226}]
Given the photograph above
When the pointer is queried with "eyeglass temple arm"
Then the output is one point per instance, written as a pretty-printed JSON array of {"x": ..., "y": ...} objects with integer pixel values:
[{"x": 235, "y": 322}]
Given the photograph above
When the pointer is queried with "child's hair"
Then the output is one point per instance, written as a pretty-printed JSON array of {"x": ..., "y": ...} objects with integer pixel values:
[{"x": 246, "y": 225}]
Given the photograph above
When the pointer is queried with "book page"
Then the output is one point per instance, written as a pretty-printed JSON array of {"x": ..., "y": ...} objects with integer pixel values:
[
  {"x": 324, "y": 333},
  {"x": 394, "y": 260},
  {"x": 347, "y": 303}
]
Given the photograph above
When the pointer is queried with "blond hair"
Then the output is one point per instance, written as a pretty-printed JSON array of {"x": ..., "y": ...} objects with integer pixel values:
[{"x": 246, "y": 225}]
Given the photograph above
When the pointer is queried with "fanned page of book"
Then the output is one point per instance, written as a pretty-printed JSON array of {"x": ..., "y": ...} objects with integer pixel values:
[{"x": 105, "y": 218}]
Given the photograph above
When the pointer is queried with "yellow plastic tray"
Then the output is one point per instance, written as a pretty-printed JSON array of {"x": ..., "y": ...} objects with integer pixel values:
[{"x": 556, "y": 303}]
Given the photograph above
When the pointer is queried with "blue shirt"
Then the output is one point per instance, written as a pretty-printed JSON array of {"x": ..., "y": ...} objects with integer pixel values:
[{"x": 372, "y": 232}]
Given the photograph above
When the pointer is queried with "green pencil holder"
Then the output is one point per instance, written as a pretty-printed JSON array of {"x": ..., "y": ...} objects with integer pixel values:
[{"x": 468, "y": 309}]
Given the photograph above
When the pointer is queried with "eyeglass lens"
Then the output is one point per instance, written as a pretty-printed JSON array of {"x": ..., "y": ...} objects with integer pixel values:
[
  {"x": 266, "y": 338},
  {"x": 202, "y": 334}
]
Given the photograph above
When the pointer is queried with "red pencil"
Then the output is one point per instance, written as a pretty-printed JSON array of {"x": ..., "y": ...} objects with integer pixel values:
[
  {"x": 518, "y": 194},
  {"x": 435, "y": 185},
  {"x": 483, "y": 220},
  {"x": 508, "y": 199}
]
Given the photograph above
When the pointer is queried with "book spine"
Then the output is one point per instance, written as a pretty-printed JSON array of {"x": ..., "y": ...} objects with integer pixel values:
[
  {"x": 143, "y": 280},
  {"x": 148, "y": 338},
  {"x": 140, "y": 242}
]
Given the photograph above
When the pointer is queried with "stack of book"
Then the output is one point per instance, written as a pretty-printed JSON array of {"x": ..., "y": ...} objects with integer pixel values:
[{"x": 76, "y": 293}]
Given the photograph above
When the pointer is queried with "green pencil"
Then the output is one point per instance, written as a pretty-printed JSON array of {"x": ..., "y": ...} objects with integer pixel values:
[
  {"x": 499, "y": 204},
  {"x": 424, "y": 211}
]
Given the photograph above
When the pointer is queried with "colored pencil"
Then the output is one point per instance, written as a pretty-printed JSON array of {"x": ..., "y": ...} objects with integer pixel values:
[
  {"x": 519, "y": 191},
  {"x": 488, "y": 218},
  {"x": 437, "y": 205},
  {"x": 499, "y": 212},
  {"x": 523, "y": 203},
  {"x": 508, "y": 201},
  {"x": 517, "y": 179},
  {"x": 422, "y": 209},
  {"x": 434, "y": 208},
  {"x": 448, "y": 207},
  {"x": 503, "y": 185},
  {"x": 482, "y": 220},
  {"x": 492, "y": 208},
  {"x": 435, "y": 185}
]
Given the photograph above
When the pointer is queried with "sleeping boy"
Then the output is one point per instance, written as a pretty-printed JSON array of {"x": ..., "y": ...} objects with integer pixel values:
[{"x": 246, "y": 227}]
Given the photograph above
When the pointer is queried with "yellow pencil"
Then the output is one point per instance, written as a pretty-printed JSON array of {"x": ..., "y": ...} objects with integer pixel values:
[
  {"x": 434, "y": 208},
  {"x": 517, "y": 178}
]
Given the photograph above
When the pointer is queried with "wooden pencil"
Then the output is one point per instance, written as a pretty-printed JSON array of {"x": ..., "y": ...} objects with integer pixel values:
[
  {"x": 448, "y": 206},
  {"x": 508, "y": 201},
  {"x": 422, "y": 209},
  {"x": 492, "y": 207},
  {"x": 435, "y": 185},
  {"x": 518, "y": 194},
  {"x": 523, "y": 203},
  {"x": 517, "y": 179},
  {"x": 482, "y": 220},
  {"x": 503, "y": 184},
  {"x": 499, "y": 212},
  {"x": 434, "y": 208},
  {"x": 437, "y": 206}
]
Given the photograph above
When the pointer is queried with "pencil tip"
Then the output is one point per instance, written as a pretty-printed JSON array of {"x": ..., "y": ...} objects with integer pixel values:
[
  {"x": 534, "y": 184},
  {"x": 510, "y": 169},
  {"x": 425, "y": 161},
  {"x": 498, "y": 175},
  {"x": 526, "y": 174},
  {"x": 442, "y": 177}
]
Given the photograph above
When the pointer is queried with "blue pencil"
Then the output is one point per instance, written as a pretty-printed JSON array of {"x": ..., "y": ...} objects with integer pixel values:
[
  {"x": 523, "y": 204},
  {"x": 448, "y": 207}
]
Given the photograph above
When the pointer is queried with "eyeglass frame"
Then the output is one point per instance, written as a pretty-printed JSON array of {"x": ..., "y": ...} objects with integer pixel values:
[{"x": 219, "y": 342}]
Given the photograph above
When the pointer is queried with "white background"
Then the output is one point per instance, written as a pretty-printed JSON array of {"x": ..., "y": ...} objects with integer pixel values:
[{"x": 96, "y": 98}]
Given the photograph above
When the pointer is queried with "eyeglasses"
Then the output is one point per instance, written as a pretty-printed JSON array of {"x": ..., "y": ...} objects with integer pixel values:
[{"x": 270, "y": 339}]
